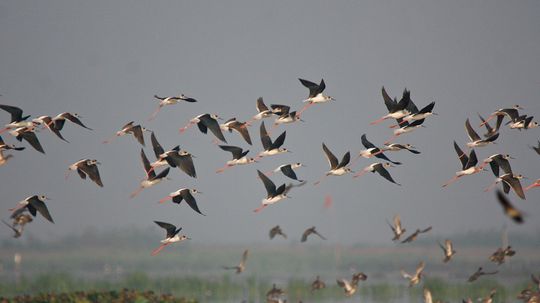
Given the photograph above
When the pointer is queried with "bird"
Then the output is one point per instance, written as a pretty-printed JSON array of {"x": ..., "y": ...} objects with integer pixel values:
[
  {"x": 276, "y": 230},
  {"x": 240, "y": 127},
  {"x": 262, "y": 111},
  {"x": 336, "y": 168},
  {"x": 172, "y": 236},
  {"x": 274, "y": 293},
  {"x": 175, "y": 157},
  {"x": 348, "y": 287},
  {"x": 29, "y": 135},
  {"x": 151, "y": 177},
  {"x": 398, "y": 147},
  {"x": 184, "y": 194},
  {"x": 310, "y": 231},
  {"x": 511, "y": 112},
  {"x": 4, "y": 146},
  {"x": 286, "y": 118},
  {"x": 273, "y": 194},
  {"x": 17, "y": 118},
  {"x": 414, "y": 235},
  {"x": 405, "y": 128},
  {"x": 316, "y": 94},
  {"x": 288, "y": 170},
  {"x": 497, "y": 161},
  {"x": 415, "y": 113},
  {"x": 17, "y": 232},
  {"x": 396, "y": 110},
  {"x": 509, "y": 209},
  {"x": 239, "y": 157},
  {"x": 47, "y": 122},
  {"x": 130, "y": 128},
  {"x": 163, "y": 101},
  {"x": 511, "y": 181},
  {"x": 86, "y": 167},
  {"x": 536, "y": 148},
  {"x": 448, "y": 250},
  {"x": 490, "y": 130},
  {"x": 533, "y": 185},
  {"x": 60, "y": 119},
  {"x": 478, "y": 273},
  {"x": 380, "y": 168},
  {"x": 417, "y": 276},
  {"x": 271, "y": 148},
  {"x": 500, "y": 255},
  {"x": 242, "y": 266},
  {"x": 4, "y": 158},
  {"x": 206, "y": 122},
  {"x": 397, "y": 229},
  {"x": 523, "y": 122},
  {"x": 488, "y": 298},
  {"x": 476, "y": 141},
  {"x": 468, "y": 165},
  {"x": 373, "y": 151},
  {"x": 33, "y": 204},
  {"x": 317, "y": 284}
]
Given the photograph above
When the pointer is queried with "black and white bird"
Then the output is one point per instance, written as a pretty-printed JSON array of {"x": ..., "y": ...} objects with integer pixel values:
[
  {"x": 512, "y": 113},
  {"x": 273, "y": 194},
  {"x": 239, "y": 127},
  {"x": 206, "y": 122},
  {"x": 4, "y": 146},
  {"x": 163, "y": 101},
  {"x": 336, "y": 168},
  {"x": 398, "y": 147},
  {"x": 288, "y": 170},
  {"x": 184, "y": 194},
  {"x": 415, "y": 113},
  {"x": 171, "y": 237},
  {"x": 33, "y": 204},
  {"x": 271, "y": 148},
  {"x": 175, "y": 157},
  {"x": 17, "y": 118},
  {"x": 468, "y": 165},
  {"x": 60, "y": 119},
  {"x": 262, "y": 111},
  {"x": 130, "y": 128},
  {"x": 490, "y": 130},
  {"x": 476, "y": 141},
  {"x": 86, "y": 167},
  {"x": 510, "y": 180},
  {"x": 316, "y": 94},
  {"x": 29, "y": 135},
  {"x": 47, "y": 122},
  {"x": 311, "y": 231},
  {"x": 396, "y": 110},
  {"x": 239, "y": 157},
  {"x": 373, "y": 151},
  {"x": 497, "y": 161},
  {"x": 405, "y": 128},
  {"x": 151, "y": 177},
  {"x": 523, "y": 122},
  {"x": 380, "y": 168}
]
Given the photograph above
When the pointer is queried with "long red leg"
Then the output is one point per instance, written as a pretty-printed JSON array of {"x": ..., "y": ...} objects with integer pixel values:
[
  {"x": 491, "y": 186},
  {"x": 378, "y": 121},
  {"x": 110, "y": 139},
  {"x": 454, "y": 179},
  {"x": 328, "y": 201},
  {"x": 535, "y": 184},
  {"x": 183, "y": 129},
  {"x": 304, "y": 108},
  {"x": 224, "y": 168},
  {"x": 258, "y": 209},
  {"x": 3, "y": 130},
  {"x": 160, "y": 248},
  {"x": 355, "y": 159},
  {"x": 360, "y": 174},
  {"x": 165, "y": 199},
  {"x": 487, "y": 120},
  {"x": 391, "y": 139},
  {"x": 136, "y": 192},
  {"x": 320, "y": 180},
  {"x": 153, "y": 116}
]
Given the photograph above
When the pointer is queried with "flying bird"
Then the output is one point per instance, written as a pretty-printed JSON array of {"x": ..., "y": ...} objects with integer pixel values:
[
  {"x": 60, "y": 119},
  {"x": 47, "y": 122},
  {"x": 468, "y": 165},
  {"x": 414, "y": 235},
  {"x": 476, "y": 141},
  {"x": 509, "y": 209},
  {"x": 33, "y": 204},
  {"x": 271, "y": 148},
  {"x": 316, "y": 94},
  {"x": 397, "y": 229},
  {"x": 398, "y": 147},
  {"x": 4, "y": 146},
  {"x": 490, "y": 130},
  {"x": 273, "y": 194},
  {"x": 373, "y": 151},
  {"x": 276, "y": 230},
  {"x": 206, "y": 122},
  {"x": 478, "y": 273},
  {"x": 172, "y": 236},
  {"x": 309, "y": 232},
  {"x": 239, "y": 127},
  {"x": 448, "y": 250},
  {"x": 523, "y": 122},
  {"x": 317, "y": 284},
  {"x": 29, "y": 135},
  {"x": 17, "y": 118},
  {"x": 86, "y": 167},
  {"x": 511, "y": 113},
  {"x": 239, "y": 157},
  {"x": 184, "y": 194},
  {"x": 417, "y": 276},
  {"x": 405, "y": 129},
  {"x": 350, "y": 287},
  {"x": 510, "y": 181},
  {"x": 163, "y": 101},
  {"x": 130, "y": 128},
  {"x": 242, "y": 266},
  {"x": 175, "y": 157},
  {"x": 288, "y": 170},
  {"x": 151, "y": 177},
  {"x": 396, "y": 110},
  {"x": 262, "y": 111},
  {"x": 380, "y": 168},
  {"x": 336, "y": 168}
]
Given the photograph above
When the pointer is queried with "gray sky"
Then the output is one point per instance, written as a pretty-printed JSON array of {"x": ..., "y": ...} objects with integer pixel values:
[{"x": 106, "y": 59}]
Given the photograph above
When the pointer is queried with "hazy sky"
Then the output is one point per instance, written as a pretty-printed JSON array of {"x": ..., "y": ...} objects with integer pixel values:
[{"x": 106, "y": 59}]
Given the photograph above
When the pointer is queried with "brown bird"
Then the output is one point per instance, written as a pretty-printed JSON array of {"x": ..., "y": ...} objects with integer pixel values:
[
  {"x": 310, "y": 231},
  {"x": 274, "y": 292},
  {"x": 240, "y": 267},
  {"x": 397, "y": 229},
  {"x": 448, "y": 250},
  {"x": 240, "y": 127},
  {"x": 4, "y": 158},
  {"x": 489, "y": 298},
  {"x": 86, "y": 167},
  {"x": 349, "y": 287},
  {"x": 417, "y": 277},
  {"x": 509, "y": 209},
  {"x": 317, "y": 284},
  {"x": 33, "y": 204},
  {"x": 480, "y": 272},
  {"x": 276, "y": 230},
  {"x": 414, "y": 235},
  {"x": 130, "y": 128},
  {"x": 60, "y": 119},
  {"x": 500, "y": 255}
]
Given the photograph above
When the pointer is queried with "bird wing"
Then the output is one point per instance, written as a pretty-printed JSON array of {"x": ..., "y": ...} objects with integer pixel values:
[
  {"x": 93, "y": 172},
  {"x": 470, "y": 131},
  {"x": 261, "y": 107},
  {"x": 509, "y": 209},
  {"x": 244, "y": 258},
  {"x": 280, "y": 140},
  {"x": 16, "y": 113},
  {"x": 314, "y": 89},
  {"x": 289, "y": 172},
  {"x": 162, "y": 174},
  {"x": 366, "y": 142},
  {"x": 427, "y": 109},
  {"x": 494, "y": 167},
  {"x": 516, "y": 185},
  {"x": 420, "y": 268},
  {"x": 81, "y": 173},
  {"x": 426, "y": 230},
  {"x": 138, "y": 134},
  {"x": 332, "y": 160},
  {"x": 268, "y": 184},
  {"x": 486, "y": 124},
  {"x": 405, "y": 275},
  {"x": 75, "y": 120},
  {"x": 345, "y": 160},
  {"x": 213, "y": 125},
  {"x": 473, "y": 160},
  {"x": 306, "y": 233},
  {"x": 243, "y": 130},
  {"x": 171, "y": 229},
  {"x": 265, "y": 138},
  {"x": 461, "y": 156},
  {"x": 390, "y": 104},
  {"x": 40, "y": 207},
  {"x": 235, "y": 150},
  {"x": 405, "y": 100},
  {"x": 191, "y": 201},
  {"x": 185, "y": 163},
  {"x": 280, "y": 110},
  {"x": 32, "y": 139},
  {"x": 384, "y": 173},
  {"x": 158, "y": 149},
  {"x": 146, "y": 165}
]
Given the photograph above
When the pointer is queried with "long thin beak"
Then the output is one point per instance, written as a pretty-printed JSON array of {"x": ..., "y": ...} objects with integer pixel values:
[{"x": 199, "y": 192}]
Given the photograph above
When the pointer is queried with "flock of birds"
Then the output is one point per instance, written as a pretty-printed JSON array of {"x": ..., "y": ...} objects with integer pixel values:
[{"x": 405, "y": 113}]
